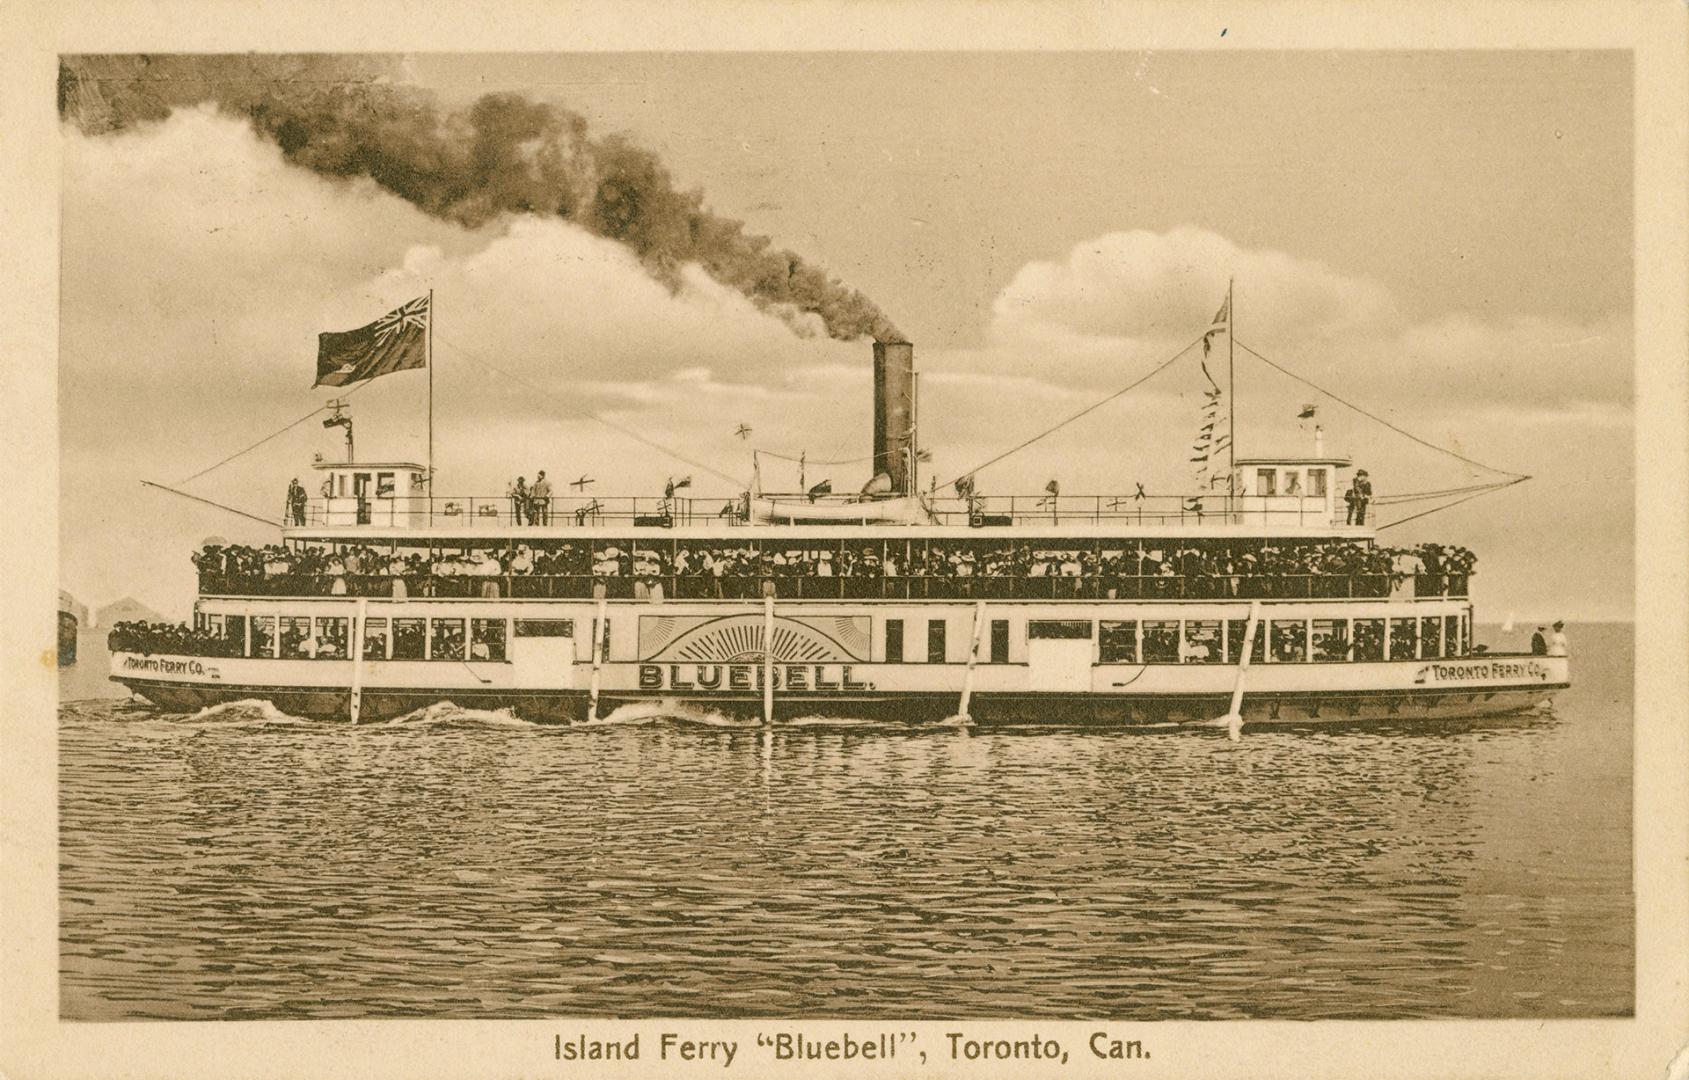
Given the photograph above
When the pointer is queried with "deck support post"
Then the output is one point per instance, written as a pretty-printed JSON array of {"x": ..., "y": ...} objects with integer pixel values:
[
  {"x": 1234, "y": 716},
  {"x": 355, "y": 702},
  {"x": 768, "y": 656},
  {"x": 599, "y": 621},
  {"x": 973, "y": 661}
]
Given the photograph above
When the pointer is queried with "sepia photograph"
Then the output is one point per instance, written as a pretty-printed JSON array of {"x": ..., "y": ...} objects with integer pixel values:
[{"x": 849, "y": 559}]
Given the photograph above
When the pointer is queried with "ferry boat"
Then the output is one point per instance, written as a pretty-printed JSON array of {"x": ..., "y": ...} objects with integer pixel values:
[{"x": 1261, "y": 605}]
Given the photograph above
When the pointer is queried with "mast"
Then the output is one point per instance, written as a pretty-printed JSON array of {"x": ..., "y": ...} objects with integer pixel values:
[
  {"x": 430, "y": 397},
  {"x": 1231, "y": 394},
  {"x": 914, "y": 432}
]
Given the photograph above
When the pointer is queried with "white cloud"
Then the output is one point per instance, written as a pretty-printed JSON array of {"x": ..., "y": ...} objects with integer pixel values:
[
  {"x": 1151, "y": 288},
  {"x": 1121, "y": 303}
]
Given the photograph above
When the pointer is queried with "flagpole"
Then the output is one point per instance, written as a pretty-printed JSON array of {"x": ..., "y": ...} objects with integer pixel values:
[
  {"x": 431, "y": 399},
  {"x": 1231, "y": 392}
]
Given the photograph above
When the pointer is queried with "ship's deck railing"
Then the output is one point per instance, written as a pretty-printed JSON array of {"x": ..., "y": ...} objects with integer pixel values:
[
  {"x": 491, "y": 511},
  {"x": 984, "y": 512},
  {"x": 987, "y": 511},
  {"x": 709, "y": 587}
]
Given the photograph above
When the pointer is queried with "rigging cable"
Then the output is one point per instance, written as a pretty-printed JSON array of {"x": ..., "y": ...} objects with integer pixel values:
[
  {"x": 1421, "y": 496},
  {"x": 1445, "y": 506},
  {"x": 208, "y": 502},
  {"x": 1158, "y": 369},
  {"x": 629, "y": 432},
  {"x": 1379, "y": 419},
  {"x": 267, "y": 438}
]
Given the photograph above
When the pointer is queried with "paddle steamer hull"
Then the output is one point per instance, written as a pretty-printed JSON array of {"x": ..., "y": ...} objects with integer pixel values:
[{"x": 1116, "y": 694}]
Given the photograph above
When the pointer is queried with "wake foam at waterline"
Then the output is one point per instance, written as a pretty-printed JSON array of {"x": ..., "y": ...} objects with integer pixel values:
[
  {"x": 448, "y": 712},
  {"x": 853, "y": 722},
  {"x": 650, "y": 712},
  {"x": 247, "y": 712},
  {"x": 644, "y": 713}
]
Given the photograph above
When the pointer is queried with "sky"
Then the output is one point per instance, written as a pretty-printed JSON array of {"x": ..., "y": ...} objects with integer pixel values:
[{"x": 1442, "y": 238}]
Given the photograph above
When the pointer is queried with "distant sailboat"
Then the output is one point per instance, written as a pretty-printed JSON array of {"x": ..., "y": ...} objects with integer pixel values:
[{"x": 1507, "y": 626}]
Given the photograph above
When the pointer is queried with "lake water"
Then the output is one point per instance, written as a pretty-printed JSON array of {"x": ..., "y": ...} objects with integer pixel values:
[{"x": 243, "y": 864}]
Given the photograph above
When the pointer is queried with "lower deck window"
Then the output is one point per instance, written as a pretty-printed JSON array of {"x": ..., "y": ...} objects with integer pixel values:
[
  {"x": 936, "y": 630},
  {"x": 375, "y": 639},
  {"x": 1161, "y": 642},
  {"x": 1403, "y": 639},
  {"x": 1062, "y": 629},
  {"x": 894, "y": 641},
  {"x": 1368, "y": 638},
  {"x": 1289, "y": 641},
  {"x": 1236, "y": 631},
  {"x": 1331, "y": 640},
  {"x": 409, "y": 639},
  {"x": 486, "y": 639},
  {"x": 545, "y": 628},
  {"x": 295, "y": 633},
  {"x": 446, "y": 640},
  {"x": 999, "y": 641},
  {"x": 1117, "y": 641},
  {"x": 1430, "y": 637},
  {"x": 331, "y": 639},
  {"x": 263, "y": 635},
  {"x": 1202, "y": 643}
]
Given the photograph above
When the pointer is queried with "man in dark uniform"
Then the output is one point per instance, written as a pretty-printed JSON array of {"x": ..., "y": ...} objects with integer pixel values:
[
  {"x": 296, "y": 502},
  {"x": 1362, "y": 489},
  {"x": 1539, "y": 643}
]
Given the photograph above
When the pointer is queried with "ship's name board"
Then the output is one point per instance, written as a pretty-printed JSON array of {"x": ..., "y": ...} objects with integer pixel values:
[
  {"x": 163, "y": 666},
  {"x": 1483, "y": 669},
  {"x": 791, "y": 678}
]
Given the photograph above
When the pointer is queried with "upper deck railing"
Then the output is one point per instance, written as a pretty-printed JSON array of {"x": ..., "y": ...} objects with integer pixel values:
[
  {"x": 486, "y": 512},
  {"x": 905, "y": 587}
]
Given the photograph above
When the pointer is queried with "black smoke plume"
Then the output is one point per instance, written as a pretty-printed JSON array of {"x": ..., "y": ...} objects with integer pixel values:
[{"x": 353, "y": 116}]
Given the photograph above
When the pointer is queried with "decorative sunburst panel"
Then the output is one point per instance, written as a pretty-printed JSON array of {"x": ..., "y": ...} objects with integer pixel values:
[{"x": 827, "y": 639}]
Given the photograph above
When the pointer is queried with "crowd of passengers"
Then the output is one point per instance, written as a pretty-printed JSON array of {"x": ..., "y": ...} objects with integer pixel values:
[
  {"x": 298, "y": 639},
  {"x": 178, "y": 639},
  {"x": 1120, "y": 641},
  {"x": 696, "y": 569}
]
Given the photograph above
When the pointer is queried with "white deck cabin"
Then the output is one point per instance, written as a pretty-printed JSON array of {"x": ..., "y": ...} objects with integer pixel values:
[
  {"x": 373, "y": 494},
  {"x": 1291, "y": 490}
]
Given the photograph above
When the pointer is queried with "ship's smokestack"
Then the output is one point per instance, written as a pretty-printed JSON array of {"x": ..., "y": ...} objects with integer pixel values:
[{"x": 894, "y": 411}]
